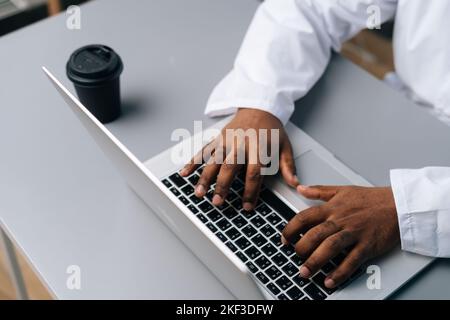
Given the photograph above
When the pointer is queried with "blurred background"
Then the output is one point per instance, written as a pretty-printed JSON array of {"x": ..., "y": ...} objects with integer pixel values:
[{"x": 370, "y": 49}]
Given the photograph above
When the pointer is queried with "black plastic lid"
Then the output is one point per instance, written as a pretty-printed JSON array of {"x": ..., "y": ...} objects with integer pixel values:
[{"x": 93, "y": 64}]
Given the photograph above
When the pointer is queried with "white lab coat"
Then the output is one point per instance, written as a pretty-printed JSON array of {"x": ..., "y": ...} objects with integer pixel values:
[{"x": 288, "y": 47}]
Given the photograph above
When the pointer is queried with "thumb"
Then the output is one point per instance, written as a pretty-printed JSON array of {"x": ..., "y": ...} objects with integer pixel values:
[
  {"x": 324, "y": 193},
  {"x": 287, "y": 164}
]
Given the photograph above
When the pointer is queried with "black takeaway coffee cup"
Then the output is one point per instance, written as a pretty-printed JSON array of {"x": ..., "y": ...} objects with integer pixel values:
[{"x": 95, "y": 72}]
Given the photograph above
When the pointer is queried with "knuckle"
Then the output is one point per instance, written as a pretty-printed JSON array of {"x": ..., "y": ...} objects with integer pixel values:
[
  {"x": 334, "y": 244},
  {"x": 316, "y": 234}
]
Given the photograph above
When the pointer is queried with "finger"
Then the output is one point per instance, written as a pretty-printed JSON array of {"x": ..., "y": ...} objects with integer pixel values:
[
  {"x": 314, "y": 237},
  {"x": 202, "y": 156},
  {"x": 351, "y": 263},
  {"x": 302, "y": 221},
  {"x": 287, "y": 164},
  {"x": 226, "y": 175},
  {"x": 207, "y": 177},
  {"x": 253, "y": 182},
  {"x": 328, "y": 249},
  {"x": 324, "y": 193}
]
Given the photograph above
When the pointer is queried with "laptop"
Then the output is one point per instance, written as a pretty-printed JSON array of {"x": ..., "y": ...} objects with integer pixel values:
[{"x": 243, "y": 249}]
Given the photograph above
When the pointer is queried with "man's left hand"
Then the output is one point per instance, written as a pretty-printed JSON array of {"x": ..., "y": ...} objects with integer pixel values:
[{"x": 360, "y": 220}]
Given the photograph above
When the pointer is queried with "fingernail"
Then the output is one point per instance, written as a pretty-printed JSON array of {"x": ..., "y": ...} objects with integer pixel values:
[
  {"x": 301, "y": 188},
  {"x": 247, "y": 206},
  {"x": 184, "y": 172},
  {"x": 217, "y": 200},
  {"x": 284, "y": 241},
  {"x": 304, "y": 272},
  {"x": 329, "y": 283},
  {"x": 200, "y": 190}
]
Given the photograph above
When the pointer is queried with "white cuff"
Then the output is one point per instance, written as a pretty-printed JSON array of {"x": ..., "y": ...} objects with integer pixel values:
[
  {"x": 236, "y": 92},
  {"x": 423, "y": 208}
]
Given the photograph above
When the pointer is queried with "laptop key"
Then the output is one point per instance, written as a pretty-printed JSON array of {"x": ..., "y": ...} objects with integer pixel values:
[
  {"x": 276, "y": 240},
  {"x": 301, "y": 282},
  {"x": 202, "y": 218},
  {"x": 205, "y": 206},
  {"x": 223, "y": 224},
  {"x": 188, "y": 190},
  {"x": 193, "y": 209},
  {"x": 262, "y": 277},
  {"x": 195, "y": 199},
  {"x": 273, "y": 288},
  {"x": 242, "y": 256},
  {"x": 259, "y": 240},
  {"x": 279, "y": 206},
  {"x": 295, "y": 293},
  {"x": 214, "y": 215},
  {"x": 167, "y": 183},
  {"x": 231, "y": 196},
  {"x": 194, "y": 179},
  {"x": 263, "y": 262},
  {"x": 239, "y": 221},
  {"x": 230, "y": 213},
  {"x": 257, "y": 221},
  {"x": 282, "y": 297},
  {"x": 273, "y": 219},
  {"x": 237, "y": 204},
  {"x": 319, "y": 279},
  {"x": 249, "y": 231},
  {"x": 210, "y": 195},
  {"x": 252, "y": 253},
  {"x": 251, "y": 267},
  {"x": 288, "y": 250},
  {"x": 175, "y": 191},
  {"x": 200, "y": 169},
  {"x": 248, "y": 214},
  {"x": 273, "y": 272},
  {"x": 268, "y": 231},
  {"x": 290, "y": 269},
  {"x": 221, "y": 237},
  {"x": 279, "y": 259},
  {"x": 223, "y": 206},
  {"x": 230, "y": 245},
  {"x": 296, "y": 259},
  {"x": 211, "y": 227},
  {"x": 242, "y": 243},
  {"x": 314, "y": 292},
  {"x": 237, "y": 185},
  {"x": 328, "y": 267},
  {"x": 280, "y": 227},
  {"x": 269, "y": 249},
  {"x": 233, "y": 233},
  {"x": 177, "y": 180},
  {"x": 184, "y": 200},
  {"x": 263, "y": 209}
]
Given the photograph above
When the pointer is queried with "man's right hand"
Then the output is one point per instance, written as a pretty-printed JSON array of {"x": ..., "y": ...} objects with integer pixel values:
[{"x": 226, "y": 169}]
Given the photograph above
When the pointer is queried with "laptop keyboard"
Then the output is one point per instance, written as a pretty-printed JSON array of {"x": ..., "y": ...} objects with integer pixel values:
[{"x": 255, "y": 237}]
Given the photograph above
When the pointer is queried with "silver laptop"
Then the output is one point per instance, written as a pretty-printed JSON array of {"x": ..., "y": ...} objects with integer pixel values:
[{"x": 243, "y": 249}]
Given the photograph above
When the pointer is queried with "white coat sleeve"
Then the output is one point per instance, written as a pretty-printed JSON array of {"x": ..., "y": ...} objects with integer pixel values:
[
  {"x": 422, "y": 198},
  {"x": 287, "y": 48}
]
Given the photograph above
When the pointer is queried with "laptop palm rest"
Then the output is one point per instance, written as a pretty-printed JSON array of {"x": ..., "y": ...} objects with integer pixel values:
[{"x": 313, "y": 170}]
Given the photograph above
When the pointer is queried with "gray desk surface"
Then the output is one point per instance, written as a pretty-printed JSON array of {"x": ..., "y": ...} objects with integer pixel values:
[{"x": 63, "y": 203}]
